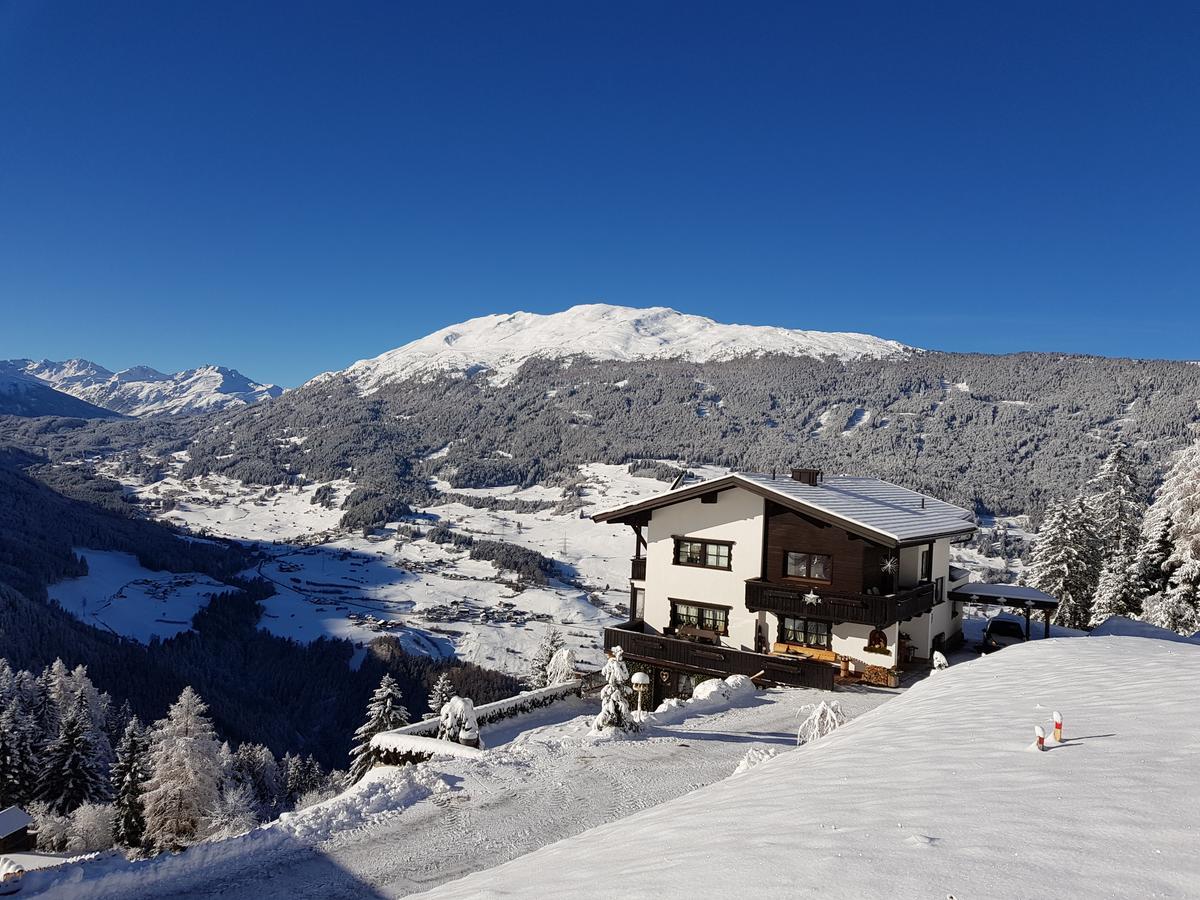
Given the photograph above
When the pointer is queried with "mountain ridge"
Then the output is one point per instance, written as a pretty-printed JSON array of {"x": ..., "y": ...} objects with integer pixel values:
[
  {"x": 500, "y": 344},
  {"x": 143, "y": 390}
]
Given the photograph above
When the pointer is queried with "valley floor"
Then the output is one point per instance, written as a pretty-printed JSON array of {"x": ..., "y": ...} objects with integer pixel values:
[{"x": 537, "y": 787}]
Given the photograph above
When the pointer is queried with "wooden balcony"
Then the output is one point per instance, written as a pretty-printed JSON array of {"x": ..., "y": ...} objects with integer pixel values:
[
  {"x": 838, "y": 606},
  {"x": 719, "y": 662},
  {"x": 637, "y": 568}
]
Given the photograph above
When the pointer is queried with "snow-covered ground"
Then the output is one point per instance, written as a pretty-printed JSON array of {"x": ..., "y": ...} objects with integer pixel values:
[
  {"x": 122, "y": 596},
  {"x": 432, "y": 597},
  {"x": 405, "y": 830},
  {"x": 939, "y": 793}
]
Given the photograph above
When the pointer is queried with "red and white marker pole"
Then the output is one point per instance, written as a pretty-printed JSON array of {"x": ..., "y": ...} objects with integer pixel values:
[
  {"x": 1058, "y": 727},
  {"x": 1041, "y": 737}
]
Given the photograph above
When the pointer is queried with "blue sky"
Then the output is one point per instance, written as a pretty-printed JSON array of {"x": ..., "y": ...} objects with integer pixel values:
[{"x": 286, "y": 188}]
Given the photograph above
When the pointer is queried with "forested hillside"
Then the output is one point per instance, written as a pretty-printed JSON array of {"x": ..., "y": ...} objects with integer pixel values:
[
  {"x": 248, "y": 676},
  {"x": 1002, "y": 434}
]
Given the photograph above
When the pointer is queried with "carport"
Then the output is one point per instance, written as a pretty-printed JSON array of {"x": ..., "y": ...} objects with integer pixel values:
[{"x": 1014, "y": 596}]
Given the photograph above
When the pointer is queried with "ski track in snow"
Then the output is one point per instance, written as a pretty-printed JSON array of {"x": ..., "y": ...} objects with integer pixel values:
[{"x": 547, "y": 784}]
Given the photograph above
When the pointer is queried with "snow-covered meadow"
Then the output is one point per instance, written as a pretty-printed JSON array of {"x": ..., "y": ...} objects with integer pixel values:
[{"x": 432, "y": 597}]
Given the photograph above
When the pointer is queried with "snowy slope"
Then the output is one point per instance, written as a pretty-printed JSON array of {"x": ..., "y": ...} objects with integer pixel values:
[
  {"x": 23, "y": 395},
  {"x": 501, "y": 343},
  {"x": 142, "y": 391},
  {"x": 935, "y": 794}
]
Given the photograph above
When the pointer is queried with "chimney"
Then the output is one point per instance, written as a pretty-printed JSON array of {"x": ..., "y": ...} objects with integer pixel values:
[{"x": 806, "y": 476}]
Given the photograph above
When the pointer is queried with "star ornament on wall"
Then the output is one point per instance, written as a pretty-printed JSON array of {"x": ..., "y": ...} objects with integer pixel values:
[
  {"x": 889, "y": 566},
  {"x": 811, "y": 598}
]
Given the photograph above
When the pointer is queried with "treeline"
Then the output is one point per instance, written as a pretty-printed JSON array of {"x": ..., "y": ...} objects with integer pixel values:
[
  {"x": 94, "y": 777},
  {"x": 1103, "y": 553},
  {"x": 1002, "y": 434}
]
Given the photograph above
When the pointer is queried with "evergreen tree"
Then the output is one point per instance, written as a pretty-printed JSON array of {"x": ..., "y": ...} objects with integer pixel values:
[
  {"x": 1176, "y": 605},
  {"x": 550, "y": 644},
  {"x": 185, "y": 775},
  {"x": 1116, "y": 594},
  {"x": 1151, "y": 569},
  {"x": 1114, "y": 502},
  {"x": 1065, "y": 563},
  {"x": 18, "y": 775},
  {"x": 562, "y": 667},
  {"x": 385, "y": 711},
  {"x": 71, "y": 774},
  {"x": 443, "y": 690},
  {"x": 614, "y": 696},
  {"x": 129, "y": 775},
  {"x": 255, "y": 767}
]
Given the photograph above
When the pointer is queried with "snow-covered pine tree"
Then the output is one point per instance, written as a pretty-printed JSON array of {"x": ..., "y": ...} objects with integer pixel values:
[
  {"x": 184, "y": 775},
  {"x": 1114, "y": 500},
  {"x": 562, "y": 667},
  {"x": 614, "y": 696},
  {"x": 1151, "y": 573},
  {"x": 71, "y": 774},
  {"x": 254, "y": 766},
  {"x": 443, "y": 690},
  {"x": 1177, "y": 605},
  {"x": 18, "y": 749},
  {"x": 97, "y": 707},
  {"x": 385, "y": 711},
  {"x": 550, "y": 644},
  {"x": 129, "y": 774},
  {"x": 1065, "y": 563},
  {"x": 1116, "y": 594}
]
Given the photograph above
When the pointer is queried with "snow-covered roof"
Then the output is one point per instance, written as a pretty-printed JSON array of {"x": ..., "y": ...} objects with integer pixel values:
[
  {"x": 13, "y": 819},
  {"x": 871, "y": 507},
  {"x": 1008, "y": 594},
  {"x": 392, "y": 742}
]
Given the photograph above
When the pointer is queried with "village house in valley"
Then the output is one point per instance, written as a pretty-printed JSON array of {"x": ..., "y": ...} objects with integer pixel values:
[{"x": 800, "y": 578}]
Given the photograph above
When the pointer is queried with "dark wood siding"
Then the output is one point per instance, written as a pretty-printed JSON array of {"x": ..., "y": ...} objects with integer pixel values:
[{"x": 856, "y": 562}]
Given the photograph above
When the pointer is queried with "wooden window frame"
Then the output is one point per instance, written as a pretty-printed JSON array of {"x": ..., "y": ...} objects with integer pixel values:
[
  {"x": 804, "y": 578},
  {"x": 704, "y": 543},
  {"x": 716, "y": 607},
  {"x": 805, "y": 620}
]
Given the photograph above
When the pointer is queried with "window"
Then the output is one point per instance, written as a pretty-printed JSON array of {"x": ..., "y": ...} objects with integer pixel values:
[
  {"x": 707, "y": 554},
  {"x": 809, "y": 632},
  {"x": 810, "y": 566},
  {"x": 710, "y": 618}
]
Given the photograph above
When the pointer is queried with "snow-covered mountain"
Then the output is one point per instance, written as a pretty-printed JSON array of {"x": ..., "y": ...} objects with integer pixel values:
[
  {"x": 143, "y": 391},
  {"x": 500, "y": 344},
  {"x": 24, "y": 395}
]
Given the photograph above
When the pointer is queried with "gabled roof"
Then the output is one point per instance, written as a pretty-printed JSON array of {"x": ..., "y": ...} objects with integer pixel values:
[
  {"x": 871, "y": 508},
  {"x": 13, "y": 819}
]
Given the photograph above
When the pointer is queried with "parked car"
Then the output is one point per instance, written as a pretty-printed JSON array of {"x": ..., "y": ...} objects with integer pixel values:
[{"x": 1002, "y": 631}]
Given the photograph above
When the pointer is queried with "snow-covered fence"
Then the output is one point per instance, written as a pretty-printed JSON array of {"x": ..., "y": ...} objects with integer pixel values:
[
  {"x": 394, "y": 749},
  {"x": 523, "y": 703}
]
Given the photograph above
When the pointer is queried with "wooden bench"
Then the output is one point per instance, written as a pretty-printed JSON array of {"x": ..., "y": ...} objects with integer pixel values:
[{"x": 786, "y": 649}]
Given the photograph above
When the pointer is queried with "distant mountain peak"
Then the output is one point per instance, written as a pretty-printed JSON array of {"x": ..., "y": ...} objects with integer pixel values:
[
  {"x": 501, "y": 343},
  {"x": 142, "y": 390}
]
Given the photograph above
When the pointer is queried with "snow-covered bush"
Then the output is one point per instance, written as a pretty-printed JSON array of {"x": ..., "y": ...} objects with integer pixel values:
[
  {"x": 755, "y": 756},
  {"x": 562, "y": 666},
  {"x": 614, "y": 697},
  {"x": 53, "y": 830},
  {"x": 234, "y": 813},
  {"x": 459, "y": 723},
  {"x": 91, "y": 828},
  {"x": 824, "y": 719},
  {"x": 543, "y": 656},
  {"x": 939, "y": 661}
]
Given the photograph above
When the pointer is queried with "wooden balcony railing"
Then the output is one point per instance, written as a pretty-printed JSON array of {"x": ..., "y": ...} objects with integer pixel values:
[
  {"x": 719, "y": 662},
  {"x": 637, "y": 568},
  {"x": 866, "y": 609}
]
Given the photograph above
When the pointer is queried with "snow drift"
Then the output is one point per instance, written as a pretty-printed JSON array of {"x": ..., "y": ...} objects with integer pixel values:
[{"x": 933, "y": 795}]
